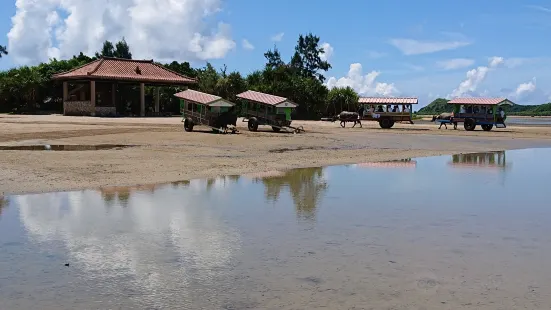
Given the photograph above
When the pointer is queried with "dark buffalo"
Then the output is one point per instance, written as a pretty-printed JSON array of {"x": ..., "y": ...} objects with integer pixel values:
[
  {"x": 444, "y": 117},
  {"x": 346, "y": 116}
]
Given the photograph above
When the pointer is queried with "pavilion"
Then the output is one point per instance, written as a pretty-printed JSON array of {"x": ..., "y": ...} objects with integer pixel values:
[{"x": 91, "y": 89}]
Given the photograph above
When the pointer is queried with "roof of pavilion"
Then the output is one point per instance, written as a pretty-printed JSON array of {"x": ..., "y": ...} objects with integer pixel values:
[{"x": 118, "y": 69}]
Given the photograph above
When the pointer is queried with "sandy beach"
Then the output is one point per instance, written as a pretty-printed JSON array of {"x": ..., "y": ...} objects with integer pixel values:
[{"x": 162, "y": 152}]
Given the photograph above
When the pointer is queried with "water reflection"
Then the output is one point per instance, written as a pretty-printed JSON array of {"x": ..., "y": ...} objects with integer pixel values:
[
  {"x": 306, "y": 187},
  {"x": 3, "y": 204},
  {"x": 481, "y": 160},
  {"x": 181, "y": 248}
]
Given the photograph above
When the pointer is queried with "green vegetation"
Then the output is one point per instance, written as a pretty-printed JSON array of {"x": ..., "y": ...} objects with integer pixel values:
[
  {"x": 31, "y": 90},
  {"x": 441, "y": 106}
]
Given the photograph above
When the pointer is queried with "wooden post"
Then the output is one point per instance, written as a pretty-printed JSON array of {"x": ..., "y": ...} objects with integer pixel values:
[
  {"x": 142, "y": 99},
  {"x": 157, "y": 100},
  {"x": 113, "y": 95},
  {"x": 65, "y": 95},
  {"x": 93, "y": 96}
]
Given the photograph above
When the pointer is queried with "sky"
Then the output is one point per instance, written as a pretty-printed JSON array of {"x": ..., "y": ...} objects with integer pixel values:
[{"x": 424, "y": 48}]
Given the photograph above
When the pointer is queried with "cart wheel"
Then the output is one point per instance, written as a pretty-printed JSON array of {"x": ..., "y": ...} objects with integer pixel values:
[
  {"x": 276, "y": 129},
  {"x": 487, "y": 127},
  {"x": 469, "y": 124},
  {"x": 188, "y": 125},
  {"x": 253, "y": 124},
  {"x": 386, "y": 123}
]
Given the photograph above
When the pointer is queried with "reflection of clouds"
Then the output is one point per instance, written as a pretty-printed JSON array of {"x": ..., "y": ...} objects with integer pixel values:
[{"x": 163, "y": 242}]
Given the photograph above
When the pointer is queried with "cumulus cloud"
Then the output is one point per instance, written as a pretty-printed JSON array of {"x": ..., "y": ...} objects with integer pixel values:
[
  {"x": 415, "y": 47},
  {"x": 247, "y": 45},
  {"x": 278, "y": 37},
  {"x": 327, "y": 51},
  {"x": 525, "y": 88},
  {"x": 175, "y": 29},
  {"x": 474, "y": 78},
  {"x": 456, "y": 63},
  {"x": 365, "y": 85}
]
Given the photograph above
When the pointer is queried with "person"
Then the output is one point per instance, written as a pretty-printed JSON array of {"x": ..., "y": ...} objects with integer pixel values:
[
  {"x": 380, "y": 109},
  {"x": 501, "y": 115},
  {"x": 462, "y": 110},
  {"x": 406, "y": 109}
]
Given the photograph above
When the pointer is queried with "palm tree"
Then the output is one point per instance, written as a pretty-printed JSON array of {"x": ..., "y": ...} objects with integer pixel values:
[
  {"x": 3, "y": 51},
  {"x": 342, "y": 97}
]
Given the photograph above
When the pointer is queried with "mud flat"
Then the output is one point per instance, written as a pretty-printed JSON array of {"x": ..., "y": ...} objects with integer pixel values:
[{"x": 162, "y": 152}]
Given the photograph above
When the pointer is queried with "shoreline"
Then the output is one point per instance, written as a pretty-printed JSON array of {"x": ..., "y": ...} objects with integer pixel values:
[{"x": 164, "y": 153}]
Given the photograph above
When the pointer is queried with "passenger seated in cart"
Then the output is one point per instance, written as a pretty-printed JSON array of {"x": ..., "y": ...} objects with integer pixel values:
[
  {"x": 462, "y": 110},
  {"x": 406, "y": 109},
  {"x": 395, "y": 109},
  {"x": 380, "y": 109}
]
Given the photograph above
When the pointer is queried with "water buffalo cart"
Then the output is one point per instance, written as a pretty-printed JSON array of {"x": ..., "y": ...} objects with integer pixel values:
[
  {"x": 204, "y": 109},
  {"x": 486, "y": 112},
  {"x": 387, "y": 110},
  {"x": 269, "y": 110}
]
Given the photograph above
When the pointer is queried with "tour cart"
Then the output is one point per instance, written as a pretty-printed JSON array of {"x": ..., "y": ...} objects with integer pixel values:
[
  {"x": 208, "y": 110},
  {"x": 387, "y": 110},
  {"x": 493, "y": 160},
  {"x": 264, "y": 109},
  {"x": 486, "y": 112}
]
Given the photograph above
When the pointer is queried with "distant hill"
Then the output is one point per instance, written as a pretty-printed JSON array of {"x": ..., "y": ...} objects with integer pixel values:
[{"x": 440, "y": 105}]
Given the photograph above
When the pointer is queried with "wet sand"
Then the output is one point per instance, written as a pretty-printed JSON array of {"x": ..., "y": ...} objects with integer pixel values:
[{"x": 165, "y": 153}]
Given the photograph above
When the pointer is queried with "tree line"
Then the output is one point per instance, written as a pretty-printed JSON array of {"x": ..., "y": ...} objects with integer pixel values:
[{"x": 29, "y": 89}]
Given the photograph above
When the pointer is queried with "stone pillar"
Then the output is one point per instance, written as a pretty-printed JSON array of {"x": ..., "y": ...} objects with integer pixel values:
[
  {"x": 157, "y": 98},
  {"x": 142, "y": 99},
  {"x": 65, "y": 95},
  {"x": 93, "y": 96}
]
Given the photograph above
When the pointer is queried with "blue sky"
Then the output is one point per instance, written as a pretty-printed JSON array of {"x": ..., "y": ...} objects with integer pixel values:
[{"x": 421, "y": 48}]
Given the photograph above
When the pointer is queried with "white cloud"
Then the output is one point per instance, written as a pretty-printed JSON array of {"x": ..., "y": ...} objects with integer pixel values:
[
  {"x": 539, "y": 8},
  {"x": 278, "y": 37},
  {"x": 175, "y": 30},
  {"x": 375, "y": 54},
  {"x": 365, "y": 85},
  {"x": 415, "y": 47},
  {"x": 247, "y": 45},
  {"x": 474, "y": 78},
  {"x": 525, "y": 88},
  {"x": 328, "y": 51},
  {"x": 456, "y": 63}
]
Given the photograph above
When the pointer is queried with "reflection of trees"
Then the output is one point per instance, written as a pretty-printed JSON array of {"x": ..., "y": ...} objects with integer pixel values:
[
  {"x": 490, "y": 159},
  {"x": 3, "y": 204},
  {"x": 305, "y": 185}
]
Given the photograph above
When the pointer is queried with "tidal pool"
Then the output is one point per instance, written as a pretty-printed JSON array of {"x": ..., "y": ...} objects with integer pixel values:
[{"x": 467, "y": 231}]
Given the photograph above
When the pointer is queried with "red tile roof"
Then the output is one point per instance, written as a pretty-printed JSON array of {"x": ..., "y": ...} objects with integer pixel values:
[
  {"x": 197, "y": 96},
  {"x": 481, "y": 101},
  {"x": 388, "y": 100},
  {"x": 261, "y": 97},
  {"x": 145, "y": 71}
]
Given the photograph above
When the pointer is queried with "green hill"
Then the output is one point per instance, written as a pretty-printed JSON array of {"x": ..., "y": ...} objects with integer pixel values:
[{"x": 440, "y": 105}]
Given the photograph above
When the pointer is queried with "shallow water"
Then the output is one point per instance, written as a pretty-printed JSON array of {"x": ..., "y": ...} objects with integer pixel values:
[
  {"x": 455, "y": 232},
  {"x": 529, "y": 120}
]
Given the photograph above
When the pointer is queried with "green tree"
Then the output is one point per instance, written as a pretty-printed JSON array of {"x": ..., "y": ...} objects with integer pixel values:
[
  {"x": 108, "y": 50},
  {"x": 273, "y": 58},
  {"x": 208, "y": 79},
  {"x": 3, "y": 51},
  {"x": 307, "y": 57},
  {"x": 340, "y": 98},
  {"x": 122, "y": 50}
]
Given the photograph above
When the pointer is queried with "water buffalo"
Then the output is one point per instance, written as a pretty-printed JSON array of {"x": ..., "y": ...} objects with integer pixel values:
[
  {"x": 445, "y": 117},
  {"x": 225, "y": 119},
  {"x": 346, "y": 116}
]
